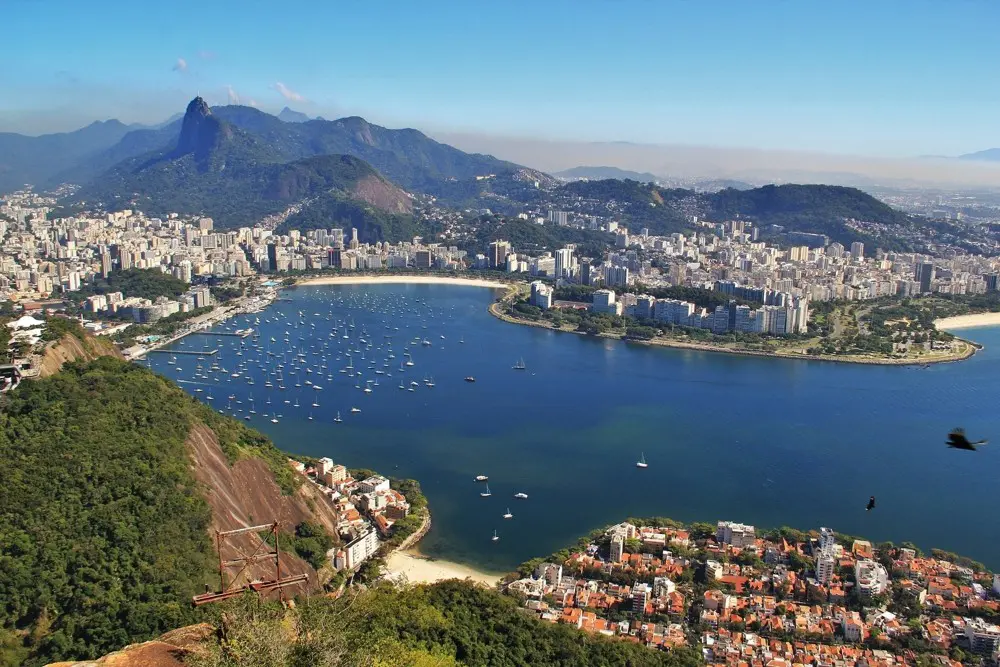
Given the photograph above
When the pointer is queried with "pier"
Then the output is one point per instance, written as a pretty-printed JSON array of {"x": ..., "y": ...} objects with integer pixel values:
[
  {"x": 242, "y": 333},
  {"x": 201, "y": 353}
]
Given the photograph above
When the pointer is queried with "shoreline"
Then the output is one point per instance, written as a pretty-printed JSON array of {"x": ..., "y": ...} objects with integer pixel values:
[
  {"x": 420, "y": 569},
  {"x": 407, "y": 279},
  {"x": 970, "y": 347},
  {"x": 407, "y": 561},
  {"x": 968, "y": 321}
]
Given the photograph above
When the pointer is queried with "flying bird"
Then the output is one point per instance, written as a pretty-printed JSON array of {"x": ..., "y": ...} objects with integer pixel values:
[
  {"x": 871, "y": 504},
  {"x": 957, "y": 440}
]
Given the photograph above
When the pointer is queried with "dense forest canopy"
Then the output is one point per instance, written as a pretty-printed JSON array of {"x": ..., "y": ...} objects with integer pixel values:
[
  {"x": 142, "y": 283},
  {"x": 102, "y": 529}
]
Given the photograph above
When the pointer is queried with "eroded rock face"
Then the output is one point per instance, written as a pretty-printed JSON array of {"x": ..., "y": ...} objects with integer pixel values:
[{"x": 167, "y": 651}]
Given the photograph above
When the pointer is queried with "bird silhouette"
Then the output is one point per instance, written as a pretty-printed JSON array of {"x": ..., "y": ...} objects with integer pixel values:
[
  {"x": 957, "y": 440},
  {"x": 871, "y": 504}
]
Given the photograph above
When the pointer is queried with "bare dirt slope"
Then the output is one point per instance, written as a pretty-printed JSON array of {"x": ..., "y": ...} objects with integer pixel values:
[
  {"x": 70, "y": 348},
  {"x": 245, "y": 494},
  {"x": 167, "y": 651}
]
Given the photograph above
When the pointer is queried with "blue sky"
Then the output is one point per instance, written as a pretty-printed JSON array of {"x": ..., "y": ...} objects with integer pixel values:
[{"x": 878, "y": 77}]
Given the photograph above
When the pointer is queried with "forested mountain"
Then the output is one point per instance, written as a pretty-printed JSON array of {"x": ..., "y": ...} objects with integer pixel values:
[
  {"x": 235, "y": 177},
  {"x": 35, "y": 160},
  {"x": 818, "y": 209}
]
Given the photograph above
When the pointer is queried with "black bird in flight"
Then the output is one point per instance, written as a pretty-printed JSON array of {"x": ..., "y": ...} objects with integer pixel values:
[
  {"x": 871, "y": 504},
  {"x": 957, "y": 440}
]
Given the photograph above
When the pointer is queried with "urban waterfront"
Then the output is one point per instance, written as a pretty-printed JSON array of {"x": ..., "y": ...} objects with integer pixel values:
[{"x": 765, "y": 441}]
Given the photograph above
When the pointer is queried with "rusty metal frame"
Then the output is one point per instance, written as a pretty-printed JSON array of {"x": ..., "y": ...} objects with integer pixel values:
[{"x": 262, "y": 552}]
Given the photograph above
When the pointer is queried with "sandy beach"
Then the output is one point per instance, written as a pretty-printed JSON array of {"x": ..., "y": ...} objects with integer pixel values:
[
  {"x": 968, "y": 321},
  {"x": 419, "y": 569},
  {"x": 403, "y": 279}
]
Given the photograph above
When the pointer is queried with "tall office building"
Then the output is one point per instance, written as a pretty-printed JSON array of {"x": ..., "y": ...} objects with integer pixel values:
[
  {"x": 105, "y": 264},
  {"x": 564, "y": 263},
  {"x": 924, "y": 274},
  {"x": 272, "y": 257},
  {"x": 857, "y": 251},
  {"x": 616, "y": 276},
  {"x": 498, "y": 254},
  {"x": 991, "y": 281}
]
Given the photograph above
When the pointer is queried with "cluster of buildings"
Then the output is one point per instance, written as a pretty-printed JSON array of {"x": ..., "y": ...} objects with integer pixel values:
[
  {"x": 366, "y": 509},
  {"x": 42, "y": 257},
  {"x": 743, "y": 598},
  {"x": 146, "y": 310},
  {"x": 773, "y": 319}
]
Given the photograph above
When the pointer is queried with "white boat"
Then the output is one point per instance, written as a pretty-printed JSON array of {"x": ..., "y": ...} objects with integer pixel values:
[
  {"x": 482, "y": 478},
  {"x": 486, "y": 493},
  {"x": 354, "y": 410},
  {"x": 310, "y": 416},
  {"x": 641, "y": 463},
  {"x": 337, "y": 418},
  {"x": 508, "y": 515},
  {"x": 519, "y": 366},
  {"x": 521, "y": 495},
  {"x": 495, "y": 536}
]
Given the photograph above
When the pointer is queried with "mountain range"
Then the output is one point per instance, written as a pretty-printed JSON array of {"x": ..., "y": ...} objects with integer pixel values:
[
  {"x": 211, "y": 159},
  {"x": 600, "y": 173},
  {"x": 988, "y": 155}
]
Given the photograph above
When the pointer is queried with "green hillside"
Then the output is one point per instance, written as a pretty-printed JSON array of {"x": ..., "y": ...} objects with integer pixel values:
[{"x": 102, "y": 528}]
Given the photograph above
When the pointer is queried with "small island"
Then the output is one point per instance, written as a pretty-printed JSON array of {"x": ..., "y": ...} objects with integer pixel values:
[{"x": 781, "y": 596}]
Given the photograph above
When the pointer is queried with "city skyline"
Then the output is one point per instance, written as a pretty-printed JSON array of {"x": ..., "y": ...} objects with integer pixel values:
[{"x": 852, "y": 79}]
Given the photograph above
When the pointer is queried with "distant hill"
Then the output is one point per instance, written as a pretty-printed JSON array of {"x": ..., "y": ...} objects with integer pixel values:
[
  {"x": 988, "y": 155},
  {"x": 716, "y": 184},
  {"x": 35, "y": 160},
  {"x": 290, "y": 116},
  {"x": 236, "y": 177},
  {"x": 818, "y": 209},
  {"x": 600, "y": 173}
]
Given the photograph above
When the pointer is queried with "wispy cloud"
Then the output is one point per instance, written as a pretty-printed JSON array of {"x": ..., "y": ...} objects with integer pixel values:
[
  {"x": 288, "y": 93},
  {"x": 234, "y": 97},
  {"x": 252, "y": 102},
  {"x": 181, "y": 65},
  {"x": 206, "y": 55}
]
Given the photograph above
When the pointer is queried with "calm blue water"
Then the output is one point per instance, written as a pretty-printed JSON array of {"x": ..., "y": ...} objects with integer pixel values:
[{"x": 764, "y": 441}]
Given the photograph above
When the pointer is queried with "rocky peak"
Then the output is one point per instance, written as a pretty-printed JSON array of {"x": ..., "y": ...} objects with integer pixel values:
[{"x": 200, "y": 130}]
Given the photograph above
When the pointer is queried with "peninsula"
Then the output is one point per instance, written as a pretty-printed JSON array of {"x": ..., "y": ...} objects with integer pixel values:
[{"x": 873, "y": 333}]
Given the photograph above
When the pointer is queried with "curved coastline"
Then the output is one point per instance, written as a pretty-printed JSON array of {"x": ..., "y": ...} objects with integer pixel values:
[
  {"x": 407, "y": 279},
  {"x": 970, "y": 347},
  {"x": 968, "y": 321}
]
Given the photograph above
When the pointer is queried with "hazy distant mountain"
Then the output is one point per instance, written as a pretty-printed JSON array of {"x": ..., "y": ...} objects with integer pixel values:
[
  {"x": 717, "y": 184},
  {"x": 988, "y": 155},
  {"x": 219, "y": 169},
  {"x": 599, "y": 173},
  {"x": 290, "y": 116},
  {"x": 35, "y": 160}
]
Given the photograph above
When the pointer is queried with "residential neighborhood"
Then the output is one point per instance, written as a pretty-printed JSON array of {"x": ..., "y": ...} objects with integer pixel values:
[{"x": 775, "y": 599}]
